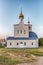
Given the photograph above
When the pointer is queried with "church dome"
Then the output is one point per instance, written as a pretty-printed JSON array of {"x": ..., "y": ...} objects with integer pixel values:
[{"x": 21, "y": 15}]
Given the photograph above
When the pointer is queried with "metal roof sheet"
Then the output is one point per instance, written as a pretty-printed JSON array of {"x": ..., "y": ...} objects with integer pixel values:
[{"x": 32, "y": 36}]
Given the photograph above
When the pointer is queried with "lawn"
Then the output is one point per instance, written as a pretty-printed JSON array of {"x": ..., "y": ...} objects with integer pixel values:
[{"x": 15, "y": 56}]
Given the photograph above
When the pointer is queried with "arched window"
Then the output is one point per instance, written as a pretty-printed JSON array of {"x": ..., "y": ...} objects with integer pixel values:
[
  {"x": 24, "y": 31},
  {"x": 32, "y": 43},
  {"x": 29, "y": 27},
  {"x": 17, "y": 31},
  {"x": 21, "y": 31},
  {"x": 24, "y": 43},
  {"x": 10, "y": 43},
  {"x": 17, "y": 43}
]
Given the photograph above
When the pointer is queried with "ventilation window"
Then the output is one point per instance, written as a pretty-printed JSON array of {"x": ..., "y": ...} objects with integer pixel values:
[{"x": 21, "y": 42}]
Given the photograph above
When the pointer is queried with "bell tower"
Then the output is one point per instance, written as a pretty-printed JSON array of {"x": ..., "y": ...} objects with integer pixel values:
[{"x": 29, "y": 25}]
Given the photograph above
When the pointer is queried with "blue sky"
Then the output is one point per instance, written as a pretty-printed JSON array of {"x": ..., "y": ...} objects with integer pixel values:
[{"x": 10, "y": 10}]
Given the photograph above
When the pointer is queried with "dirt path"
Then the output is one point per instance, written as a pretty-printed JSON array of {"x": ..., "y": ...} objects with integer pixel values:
[{"x": 39, "y": 61}]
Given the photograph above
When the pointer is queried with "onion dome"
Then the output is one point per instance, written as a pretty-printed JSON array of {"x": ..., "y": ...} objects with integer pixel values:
[{"x": 21, "y": 15}]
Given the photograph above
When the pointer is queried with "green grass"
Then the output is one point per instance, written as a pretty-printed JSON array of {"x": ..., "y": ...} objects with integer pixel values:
[{"x": 15, "y": 56}]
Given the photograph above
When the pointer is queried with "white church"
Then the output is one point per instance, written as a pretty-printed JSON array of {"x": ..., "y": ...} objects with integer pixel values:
[{"x": 23, "y": 37}]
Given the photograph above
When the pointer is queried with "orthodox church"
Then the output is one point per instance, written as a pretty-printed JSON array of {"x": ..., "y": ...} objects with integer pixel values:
[{"x": 23, "y": 37}]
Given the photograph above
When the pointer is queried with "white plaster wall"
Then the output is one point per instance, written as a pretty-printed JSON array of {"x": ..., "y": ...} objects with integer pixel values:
[
  {"x": 28, "y": 44},
  {"x": 37, "y": 42},
  {"x": 20, "y": 27}
]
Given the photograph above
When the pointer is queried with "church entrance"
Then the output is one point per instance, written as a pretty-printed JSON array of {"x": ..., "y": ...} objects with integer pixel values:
[{"x": 21, "y": 45}]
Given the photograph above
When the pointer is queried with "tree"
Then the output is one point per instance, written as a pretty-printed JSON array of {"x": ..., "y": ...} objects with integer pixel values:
[{"x": 40, "y": 41}]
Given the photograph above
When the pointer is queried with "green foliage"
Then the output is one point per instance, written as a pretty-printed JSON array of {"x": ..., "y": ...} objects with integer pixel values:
[
  {"x": 1, "y": 46},
  {"x": 5, "y": 44},
  {"x": 40, "y": 41}
]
